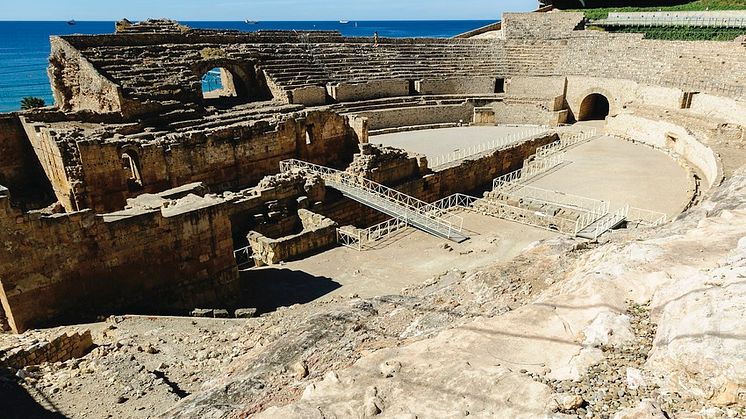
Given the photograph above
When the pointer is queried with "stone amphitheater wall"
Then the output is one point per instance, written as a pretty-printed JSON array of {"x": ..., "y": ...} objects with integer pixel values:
[
  {"x": 707, "y": 66},
  {"x": 418, "y": 115},
  {"x": 456, "y": 85},
  {"x": 57, "y": 161},
  {"x": 373, "y": 89},
  {"x": 535, "y": 87},
  {"x": 720, "y": 107},
  {"x": 540, "y": 25},
  {"x": 82, "y": 263}
]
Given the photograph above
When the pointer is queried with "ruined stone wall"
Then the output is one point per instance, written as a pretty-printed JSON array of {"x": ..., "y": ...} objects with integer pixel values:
[
  {"x": 62, "y": 348},
  {"x": 20, "y": 170},
  {"x": 61, "y": 163},
  {"x": 318, "y": 233},
  {"x": 77, "y": 85},
  {"x": 456, "y": 85},
  {"x": 374, "y": 89},
  {"x": 91, "y": 174},
  {"x": 81, "y": 264},
  {"x": 474, "y": 173}
]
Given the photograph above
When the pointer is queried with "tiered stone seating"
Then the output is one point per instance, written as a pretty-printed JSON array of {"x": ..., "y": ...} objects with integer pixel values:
[{"x": 165, "y": 71}]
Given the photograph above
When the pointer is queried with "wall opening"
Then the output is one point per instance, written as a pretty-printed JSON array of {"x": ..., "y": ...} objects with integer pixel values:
[
  {"x": 594, "y": 107},
  {"x": 500, "y": 86},
  {"x": 412, "y": 88},
  {"x": 225, "y": 84},
  {"x": 309, "y": 134},
  {"x": 131, "y": 166},
  {"x": 219, "y": 82}
]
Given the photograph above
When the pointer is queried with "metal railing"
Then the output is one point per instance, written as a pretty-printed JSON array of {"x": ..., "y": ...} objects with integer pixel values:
[
  {"x": 646, "y": 217},
  {"x": 531, "y": 168},
  {"x": 505, "y": 211},
  {"x": 244, "y": 257},
  {"x": 693, "y": 21},
  {"x": 610, "y": 220},
  {"x": 497, "y": 144},
  {"x": 556, "y": 198},
  {"x": 546, "y": 158},
  {"x": 359, "y": 239},
  {"x": 402, "y": 206}
]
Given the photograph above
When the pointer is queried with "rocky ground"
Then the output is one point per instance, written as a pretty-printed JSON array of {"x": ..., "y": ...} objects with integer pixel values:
[
  {"x": 649, "y": 324},
  {"x": 143, "y": 365}
]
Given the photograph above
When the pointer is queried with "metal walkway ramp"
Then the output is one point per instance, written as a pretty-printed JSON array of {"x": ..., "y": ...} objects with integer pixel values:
[
  {"x": 608, "y": 221},
  {"x": 417, "y": 213}
]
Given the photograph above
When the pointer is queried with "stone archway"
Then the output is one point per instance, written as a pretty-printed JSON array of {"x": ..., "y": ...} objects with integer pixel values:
[
  {"x": 595, "y": 106},
  {"x": 232, "y": 81}
]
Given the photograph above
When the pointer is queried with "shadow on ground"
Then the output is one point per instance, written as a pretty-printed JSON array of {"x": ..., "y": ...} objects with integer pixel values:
[
  {"x": 17, "y": 403},
  {"x": 267, "y": 289}
]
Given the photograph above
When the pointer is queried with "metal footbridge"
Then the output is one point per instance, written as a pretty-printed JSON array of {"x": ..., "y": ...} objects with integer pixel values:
[{"x": 414, "y": 212}]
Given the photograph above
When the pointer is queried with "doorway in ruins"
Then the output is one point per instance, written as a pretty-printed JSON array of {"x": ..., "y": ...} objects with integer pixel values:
[
  {"x": 232, "y": 83},
  {"x": 594, "y": 107},
  {"x": 131, "y": 166}
]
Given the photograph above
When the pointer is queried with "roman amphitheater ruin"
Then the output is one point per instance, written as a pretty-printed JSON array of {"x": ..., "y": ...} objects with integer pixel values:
[{"x": 531, "y": 220}]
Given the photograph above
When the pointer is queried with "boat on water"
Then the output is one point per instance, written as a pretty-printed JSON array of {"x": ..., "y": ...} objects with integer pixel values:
[
  {"x": 344, "y": 22},
  {"x": 251, "y": 22},
  {"x": 71, "y": 22}
]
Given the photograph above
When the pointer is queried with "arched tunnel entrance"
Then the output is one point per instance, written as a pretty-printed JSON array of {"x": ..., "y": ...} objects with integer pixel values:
[
  {"x": 594, "y": 107},
  {"x": 227, "y": 83}
]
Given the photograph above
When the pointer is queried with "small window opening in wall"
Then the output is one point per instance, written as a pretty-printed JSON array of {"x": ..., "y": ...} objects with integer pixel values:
[
  {"x": 309, "y": 134},
  {"x": 412, "y": 88},
  {"x": 500, "y": 86},
  {"x": 671, "y": 139},
  {"x": 131, "y": 166}
]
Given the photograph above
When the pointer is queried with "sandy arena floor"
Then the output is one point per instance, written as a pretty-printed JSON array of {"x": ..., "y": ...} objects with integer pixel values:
[
  {"x": 621, "y": 172},
  {"x": 408, "y": 258},
  {"x": 437, "y": 142}
]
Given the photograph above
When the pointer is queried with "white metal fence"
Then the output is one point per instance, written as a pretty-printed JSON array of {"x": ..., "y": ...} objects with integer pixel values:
[
  {"x": 557, "y": 198},
  {"x": 608, "y": 221},
  {"x": 646, "y": 217},
  {"x": 689, "y": 21},
  {"x": 402, "y": 206},
  {"x": 496, "y": 144},
  {"x": 359, "y": 239},
  {"x": 553, "y": 222}
]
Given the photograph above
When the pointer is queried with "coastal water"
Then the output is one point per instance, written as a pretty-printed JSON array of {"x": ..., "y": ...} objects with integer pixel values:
[{"x": 24, "y": 46}]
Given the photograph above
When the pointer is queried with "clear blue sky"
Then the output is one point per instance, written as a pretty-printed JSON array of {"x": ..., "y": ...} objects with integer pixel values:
[{"x": 235, "y": 10}]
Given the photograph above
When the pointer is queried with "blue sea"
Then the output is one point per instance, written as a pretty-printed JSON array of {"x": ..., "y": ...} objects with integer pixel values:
[{"x": 24, "y": 46}]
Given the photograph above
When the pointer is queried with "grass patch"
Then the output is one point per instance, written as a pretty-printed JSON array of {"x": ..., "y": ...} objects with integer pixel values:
[
  {"x": 698, "y": 5},
  {"x": 680, "y": 33}
]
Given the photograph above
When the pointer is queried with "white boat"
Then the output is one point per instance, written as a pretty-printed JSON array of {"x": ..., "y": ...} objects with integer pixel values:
[
  {"x": 251, "y": 22},
  {"x": 344, "y": 22}
]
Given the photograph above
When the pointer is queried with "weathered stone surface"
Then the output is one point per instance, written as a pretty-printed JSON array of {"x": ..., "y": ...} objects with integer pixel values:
[{"x": 245, "y": 313}]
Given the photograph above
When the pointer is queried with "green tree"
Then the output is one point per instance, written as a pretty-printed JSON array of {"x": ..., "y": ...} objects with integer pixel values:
[{"x": 30, "y": 102}]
